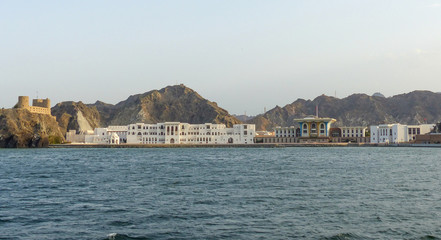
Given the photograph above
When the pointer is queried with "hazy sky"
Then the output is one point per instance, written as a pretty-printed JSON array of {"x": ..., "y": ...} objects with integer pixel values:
[{"x": 244, "y": 55}]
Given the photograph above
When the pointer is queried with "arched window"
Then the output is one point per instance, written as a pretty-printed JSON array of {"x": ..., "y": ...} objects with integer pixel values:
[
  {"x": 322, "y": 128},
  {"x": 313, "y": 128}
]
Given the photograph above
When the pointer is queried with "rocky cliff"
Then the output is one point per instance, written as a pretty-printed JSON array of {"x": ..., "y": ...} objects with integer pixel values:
[
  {"x": 76, "y": 115},
  {"x": 20, "y": 128},
  {"x": 173, "y": 103},
  {"x": 358, "y": 110}
]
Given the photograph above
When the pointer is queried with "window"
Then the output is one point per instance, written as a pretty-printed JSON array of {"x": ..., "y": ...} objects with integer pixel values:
[
  {"x": 313, "y": 128},
  {"x": 322, "y": 128}
]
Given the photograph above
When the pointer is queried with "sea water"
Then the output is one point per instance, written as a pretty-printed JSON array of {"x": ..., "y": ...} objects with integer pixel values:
[{"x": 234, "y": 193}]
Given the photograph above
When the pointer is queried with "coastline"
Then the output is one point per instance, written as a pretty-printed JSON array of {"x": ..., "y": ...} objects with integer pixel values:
[{"x": 260, "y": 145}]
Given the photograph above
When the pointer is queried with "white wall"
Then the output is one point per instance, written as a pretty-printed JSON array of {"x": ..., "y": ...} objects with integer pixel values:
[{"x": 184, "y": 133}]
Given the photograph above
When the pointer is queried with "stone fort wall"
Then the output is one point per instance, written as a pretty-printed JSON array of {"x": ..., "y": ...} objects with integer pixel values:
[{"x": 41, "y": 106}]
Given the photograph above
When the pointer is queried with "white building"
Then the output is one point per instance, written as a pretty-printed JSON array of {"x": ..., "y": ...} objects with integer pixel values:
[
  {"x": 185, "y": 133},
  {"x": 109, "y": 135},
  {"x": 397, "y": 133},
  {"x": 167, "y": 133},
  {"x": 285, "y": 131},
  {"x": 353, "y": 131}
]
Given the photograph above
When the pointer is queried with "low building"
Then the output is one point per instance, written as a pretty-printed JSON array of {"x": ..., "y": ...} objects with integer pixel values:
[
  {"x": 349, "y": 134},
  {"x": 109, "y": 135},
  {"x": 397, "y": 133},
  {"x": 432, "y": 138}
]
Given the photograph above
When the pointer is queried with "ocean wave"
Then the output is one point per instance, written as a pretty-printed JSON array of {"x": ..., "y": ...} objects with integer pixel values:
[
  {"x": 429, "y": 237},
  {"x": 346, "y": 236},
  {"x": 117, "y": 236}
]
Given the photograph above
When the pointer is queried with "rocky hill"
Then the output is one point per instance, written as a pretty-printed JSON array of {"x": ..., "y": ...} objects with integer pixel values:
[
  {"x": 358, "y": 110},
  {"x": 21, "y": 128},
  {"x": 76, "y": 115},
  {"x": 172, "y": 103}
]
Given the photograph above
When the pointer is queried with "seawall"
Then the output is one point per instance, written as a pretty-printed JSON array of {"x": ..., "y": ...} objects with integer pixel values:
[{"x": 264, "y": 145}]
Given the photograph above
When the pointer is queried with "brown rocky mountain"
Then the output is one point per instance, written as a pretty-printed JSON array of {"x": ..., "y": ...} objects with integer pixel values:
[
  {"x": 172, "y": 103},
  {"x": 76, "y": 115},
  {"x": 358, "y": 110},
  {"x": 21, "y": 128}
]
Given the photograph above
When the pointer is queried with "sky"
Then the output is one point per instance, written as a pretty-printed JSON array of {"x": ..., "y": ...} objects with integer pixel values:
[{"x": 244, "y": 55}]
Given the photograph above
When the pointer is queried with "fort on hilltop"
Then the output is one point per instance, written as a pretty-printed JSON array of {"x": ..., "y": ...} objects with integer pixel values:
[{"x": 41, "y": 106}]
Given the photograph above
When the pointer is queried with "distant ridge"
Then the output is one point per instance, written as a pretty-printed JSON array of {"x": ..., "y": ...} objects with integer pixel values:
[
  {"x": 180, "y": 103},
  {"x": 358, "y": 110},
  {"x": 172, "y": 103}
]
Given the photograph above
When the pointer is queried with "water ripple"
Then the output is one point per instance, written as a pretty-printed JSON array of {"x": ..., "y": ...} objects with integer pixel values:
[{"x": 289, "y": 193}]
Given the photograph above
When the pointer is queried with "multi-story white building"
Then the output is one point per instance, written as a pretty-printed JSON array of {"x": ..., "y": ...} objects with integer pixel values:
[
  {"x": 185, "y": 133},
  {"x": 397, "y": 133},
  {"x": 285, "y": 131},
  {"x": 167, "y": 133}
]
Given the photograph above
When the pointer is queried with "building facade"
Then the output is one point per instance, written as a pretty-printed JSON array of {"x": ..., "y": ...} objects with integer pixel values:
[
  {"x": 185, "y": 133},
  {"x": 109, "y": 135},
  {"x": 353, "y": 131},
  {"x": 397, "y": 133},
  {"x": 167, "y": 133},
  {"x": 314, "y": 129},
  {"x": 349, "y": 134},
  {"x": 287, "y": 132}
]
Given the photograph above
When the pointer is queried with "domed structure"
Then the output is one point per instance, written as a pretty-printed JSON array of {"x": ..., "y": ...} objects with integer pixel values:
[{"x": 378, "y": 94}]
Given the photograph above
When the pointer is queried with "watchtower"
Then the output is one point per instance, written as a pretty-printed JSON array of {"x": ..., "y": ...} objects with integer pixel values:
[{"x": 23, "y": 102}]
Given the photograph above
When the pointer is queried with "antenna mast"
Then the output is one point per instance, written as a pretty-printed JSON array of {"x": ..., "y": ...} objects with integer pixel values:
[{"x": 316, "y": 111}]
